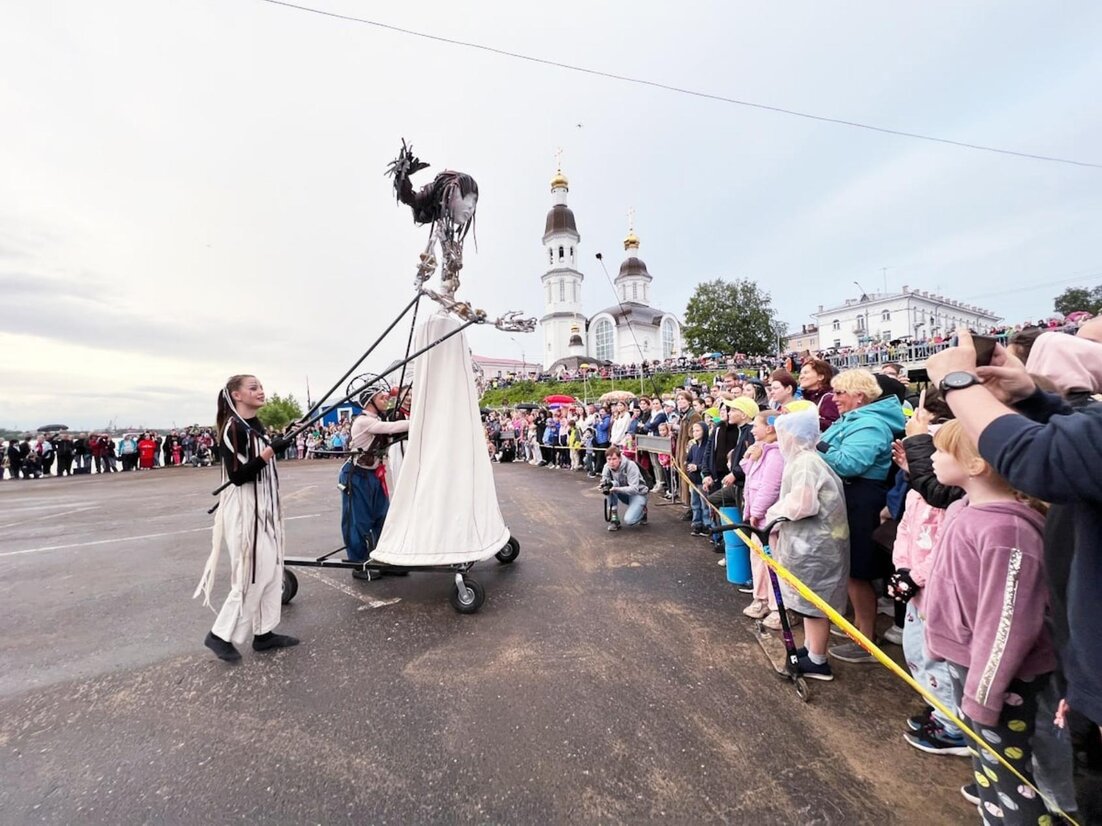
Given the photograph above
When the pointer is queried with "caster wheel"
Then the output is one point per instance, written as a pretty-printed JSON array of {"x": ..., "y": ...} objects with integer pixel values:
[
  {"x": 510, "y": 552},
  {"x": 290, "y": 586},
  {"x": 472, "y": 601},
  {"x": 803, "y": 691}
]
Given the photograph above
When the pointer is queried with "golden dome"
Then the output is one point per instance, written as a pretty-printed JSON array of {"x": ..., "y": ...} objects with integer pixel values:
[
  {"x": 560, "y": 180},
  {"x": 632, "y": 241}
]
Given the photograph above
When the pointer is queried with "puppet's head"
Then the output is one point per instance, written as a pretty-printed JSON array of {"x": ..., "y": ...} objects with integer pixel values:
[{"x": 797, "y": 432}]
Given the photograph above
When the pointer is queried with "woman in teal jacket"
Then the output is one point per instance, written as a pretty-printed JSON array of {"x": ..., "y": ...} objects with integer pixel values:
[{"x": 858, "y": 447}]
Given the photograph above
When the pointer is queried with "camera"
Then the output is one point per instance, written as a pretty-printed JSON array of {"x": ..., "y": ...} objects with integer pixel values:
[{"x": 606, "y": 486}]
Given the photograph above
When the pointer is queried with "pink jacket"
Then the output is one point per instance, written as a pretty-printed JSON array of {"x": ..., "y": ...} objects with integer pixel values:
[
  {"x": 763, "y": 481},
  {"x": 915, "y": 539},
  {"x": 986, "y": 601}
]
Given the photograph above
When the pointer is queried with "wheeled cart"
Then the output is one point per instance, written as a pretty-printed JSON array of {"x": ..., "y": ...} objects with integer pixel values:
[{"x": 466, "y": 597}]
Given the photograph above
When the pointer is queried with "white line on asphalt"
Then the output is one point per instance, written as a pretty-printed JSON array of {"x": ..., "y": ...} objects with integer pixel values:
[
  {"x": 47, "y": 516},
  {"x": 116, "y": 540},
  {"x": 369, "y": 602}
]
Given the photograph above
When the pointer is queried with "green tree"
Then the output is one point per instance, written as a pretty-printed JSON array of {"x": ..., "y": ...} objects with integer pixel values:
[
  {"x": 732, "y": 317},
  {"x": 279, "y": 411},
  {"x": 1079, "y": 298}
]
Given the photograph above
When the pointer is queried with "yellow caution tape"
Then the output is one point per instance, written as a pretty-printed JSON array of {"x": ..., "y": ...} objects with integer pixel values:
[{"x": 855, "y": 635}]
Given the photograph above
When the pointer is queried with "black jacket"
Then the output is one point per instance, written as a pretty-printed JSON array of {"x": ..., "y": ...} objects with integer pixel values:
[{"x": 920, "y": 472}]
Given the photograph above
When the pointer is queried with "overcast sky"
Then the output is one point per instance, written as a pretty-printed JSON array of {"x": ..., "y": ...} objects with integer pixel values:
[{"x": 194, "y": 188}]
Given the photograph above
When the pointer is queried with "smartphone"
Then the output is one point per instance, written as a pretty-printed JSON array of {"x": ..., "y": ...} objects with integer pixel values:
[{"x": 985, "y": 349}]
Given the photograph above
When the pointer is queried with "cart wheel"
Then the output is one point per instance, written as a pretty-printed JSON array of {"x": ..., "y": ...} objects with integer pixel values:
[
  {"x": 803, "y": 691},
  {"x": 475, "y": 597},
  {"x": 290, "y": 586},
  {"x": 510, "y": 552},
  {"x": 608, "y": 511}
]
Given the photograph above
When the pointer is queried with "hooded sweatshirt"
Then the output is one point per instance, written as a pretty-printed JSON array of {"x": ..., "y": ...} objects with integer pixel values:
[
  {"x": 1072, "y": 363},
  {"x": 859, "y": 445},
  {"x": 986, "y": 600},
  {"x": 763, "y": 481},
  {"x": 699, "y": 454}
]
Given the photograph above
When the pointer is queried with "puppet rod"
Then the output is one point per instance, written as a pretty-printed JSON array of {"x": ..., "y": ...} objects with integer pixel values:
[{"x": 301, "y": 427}]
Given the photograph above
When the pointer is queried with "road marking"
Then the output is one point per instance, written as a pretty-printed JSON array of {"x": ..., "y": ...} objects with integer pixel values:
[
  {"x": 48, "y": 516},
  {"x": 369, "y": 602},
  {"x": 116, "y": 540}
]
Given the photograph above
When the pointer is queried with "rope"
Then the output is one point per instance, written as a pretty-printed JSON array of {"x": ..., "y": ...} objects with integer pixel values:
[{"x": 868, "y": 645}]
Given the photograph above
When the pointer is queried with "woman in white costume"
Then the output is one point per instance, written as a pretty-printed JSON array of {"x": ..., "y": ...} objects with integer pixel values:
[{"x": 250, "y": 523}]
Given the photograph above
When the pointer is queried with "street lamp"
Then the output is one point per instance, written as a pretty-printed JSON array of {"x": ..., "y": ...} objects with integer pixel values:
[
  {"x": 865, "y": 298},
  {"x": 523, "y": 365}
]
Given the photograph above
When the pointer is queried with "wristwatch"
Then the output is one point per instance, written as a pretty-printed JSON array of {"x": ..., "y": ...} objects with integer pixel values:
[{"x": 958, "y": 380}]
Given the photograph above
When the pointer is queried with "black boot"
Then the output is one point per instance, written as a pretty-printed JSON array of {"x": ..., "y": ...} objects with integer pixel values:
[
  {"x": 262, "y": 642},
  {"x": 222, "y": 649}
]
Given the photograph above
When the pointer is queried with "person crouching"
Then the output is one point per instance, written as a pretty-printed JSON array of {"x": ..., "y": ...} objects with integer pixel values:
[{"x": 622, "y": 482}]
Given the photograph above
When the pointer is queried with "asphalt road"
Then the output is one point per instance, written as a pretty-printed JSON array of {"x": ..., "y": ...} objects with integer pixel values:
[{"x": 609, "y": 678}]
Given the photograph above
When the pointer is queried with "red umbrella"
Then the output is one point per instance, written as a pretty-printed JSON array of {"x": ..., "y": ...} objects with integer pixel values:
[{"x": 559, "y": 399}]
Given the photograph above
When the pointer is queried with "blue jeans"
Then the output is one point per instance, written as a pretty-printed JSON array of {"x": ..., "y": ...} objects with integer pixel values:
[
  {"x": 635, "y": 502},
  {"x": 928, "y": 672},
  {"x": 701, "y": 512}
]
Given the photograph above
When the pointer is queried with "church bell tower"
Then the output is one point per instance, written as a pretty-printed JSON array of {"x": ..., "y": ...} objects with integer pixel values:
[{"x": 562, "y": 281}]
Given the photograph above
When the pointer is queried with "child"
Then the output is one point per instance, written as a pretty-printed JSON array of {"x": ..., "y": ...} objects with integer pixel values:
[
  {"x": 574, "y": 445},
  {"x": 697, "y": 466},
  {"x": 590, "y": 462},
  {"x": 763, "y": 467},
  {"x": 985, "y": 611},
  {"x": 814, "y": 543},
  {"x": 665, "y": 479}
]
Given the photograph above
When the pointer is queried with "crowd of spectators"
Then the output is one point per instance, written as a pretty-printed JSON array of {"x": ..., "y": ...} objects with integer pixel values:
[
  {"x": 972, "y": 516},
  {"x": 62, "y": 453}
]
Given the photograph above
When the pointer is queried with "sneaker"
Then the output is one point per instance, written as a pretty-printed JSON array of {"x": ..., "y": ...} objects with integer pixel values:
[
  {"x": 697, "y": 531},
  {"x": 885, "y": 606},
  {"x": 773, "y": 621},
  {"x": 851, "y": 652},
  {"x": 718, "y": 547},
  {"x": 894, "y": 635},
  {"x": 614, "y": 525},
  {"x": 668, "y": 496},
  {"x": 722, "y": 562},
  {"x": 932, "y": 739},
  {"x": 835, "y": 631},
  {"x": 643, "y": 518},
  {"x": 920, "y": 721},
  {"x": 971, "y": 793},
  {"x": 756, "y": 610},
  {"x": 814, "y": 671},
  {"x": 746, "y": 589}
]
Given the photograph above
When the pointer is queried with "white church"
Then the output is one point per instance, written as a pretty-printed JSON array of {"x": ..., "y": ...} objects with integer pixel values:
[{"x": 629, "y": 332}]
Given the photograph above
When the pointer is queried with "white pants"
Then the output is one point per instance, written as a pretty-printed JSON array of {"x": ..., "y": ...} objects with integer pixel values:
[{"x": 252, "y": 607}]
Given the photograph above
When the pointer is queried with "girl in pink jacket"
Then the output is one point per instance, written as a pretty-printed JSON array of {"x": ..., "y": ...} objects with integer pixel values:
[{"x": 764, "y": 466}]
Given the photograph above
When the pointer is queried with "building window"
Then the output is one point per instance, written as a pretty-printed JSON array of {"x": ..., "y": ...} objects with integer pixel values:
[
  {"x": 634, "y": 292},
  {"x": 562, "y": 256},
  {"x": 669, "y": 338},
  {"x": 837, "y": 325},
  {"x": 562, "y": 289},
  {"x": 837, "y": 343},
  {"x": 575, "y": 288},
  {"x": 550, "y": 256},
  {"x": 602, "y": 339},
  {"x": 571, "y": 255},
  {"x": 644, "y": 292},
  {"x": 624, "y": 293},
  {"x": 886, "y": 315}
]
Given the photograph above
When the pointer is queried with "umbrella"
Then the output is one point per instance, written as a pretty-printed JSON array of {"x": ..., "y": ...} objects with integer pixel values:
[
  {"x": 526, "y": 406},
  {"x": 712, "y": 355},
  {"x": 50, "y": 428},
  {"x": 558, "y": 399},
  {"x": 618, "y": 396}
]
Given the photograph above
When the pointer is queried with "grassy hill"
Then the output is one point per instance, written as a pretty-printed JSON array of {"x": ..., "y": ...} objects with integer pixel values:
[{"x": 532, "y": 391}]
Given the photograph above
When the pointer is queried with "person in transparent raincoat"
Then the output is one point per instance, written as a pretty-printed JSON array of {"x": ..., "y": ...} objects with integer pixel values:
[{"x": 814, "y": 543}]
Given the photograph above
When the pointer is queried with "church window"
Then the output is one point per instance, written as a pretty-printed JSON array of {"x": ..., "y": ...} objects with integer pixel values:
[
  {"x": 562, "y": 256},
  {"x": 837, "y": 324},
  {"x": 562, "y": 289},
  {"x": 886, "y": 315},
  {"x": 550, "y": 256},
  {"x": 634, "y": 291},
  {"x": 602, "y": 337},
  {"x": 571, "y": 256},
  {"x": 669, "y": 338}
]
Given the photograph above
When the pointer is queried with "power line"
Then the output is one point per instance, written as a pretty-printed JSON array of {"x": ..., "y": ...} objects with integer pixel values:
[
  {"x": 681, "y": 90},
  {"x": 1040, "y": 285}
]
